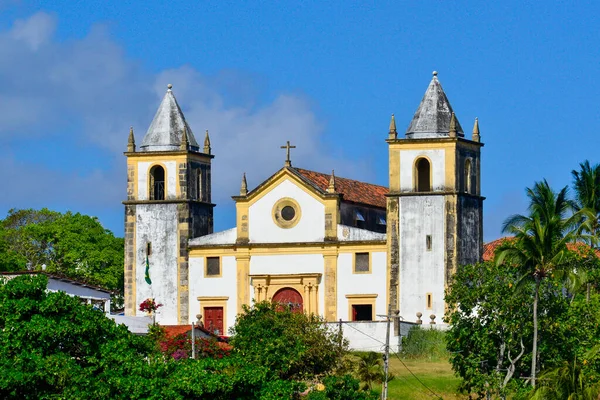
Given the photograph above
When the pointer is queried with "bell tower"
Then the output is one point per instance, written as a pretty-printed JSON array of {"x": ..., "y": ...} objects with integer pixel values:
[
  {"x": 435, "y": 208},
  {"x": 168, "y": 202}
]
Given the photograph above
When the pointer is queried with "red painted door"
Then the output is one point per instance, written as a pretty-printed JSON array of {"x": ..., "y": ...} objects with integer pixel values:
[
  {"x": 289, "y": 297},
  {"x": 213, "y": 317}
]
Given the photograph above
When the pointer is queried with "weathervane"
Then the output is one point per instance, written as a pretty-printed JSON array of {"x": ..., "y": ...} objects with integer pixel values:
[{"x": 288, "y": 162}]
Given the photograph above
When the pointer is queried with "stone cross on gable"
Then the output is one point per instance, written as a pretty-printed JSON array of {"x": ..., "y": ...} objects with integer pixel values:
[{"x": 288, "y": 162}]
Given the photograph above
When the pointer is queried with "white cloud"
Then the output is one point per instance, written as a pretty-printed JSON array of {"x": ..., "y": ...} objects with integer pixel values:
[{"x": 89, "y": 90}]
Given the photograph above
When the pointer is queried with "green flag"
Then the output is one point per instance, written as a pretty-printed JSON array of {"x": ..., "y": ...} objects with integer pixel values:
[{"x": 147, "y": 276}]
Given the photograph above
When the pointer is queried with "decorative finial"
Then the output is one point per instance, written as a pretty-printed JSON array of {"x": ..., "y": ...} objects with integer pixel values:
[
  {"x": 476, "y": 137},
  {"x": 435, "y": 73},
  {"x": 393, "y": 134},
  {"x": 131, "y": 141},
  {"x": 244, "y": 187},
  {"x": 184, "y": 139},
  {"x": 169, "y": 86},
  {"x": 452, "y": 132},
  {"x": 288, "y": 162},
  {"x": 206, "y": 143},
  {"x": 331, "y": 187}
]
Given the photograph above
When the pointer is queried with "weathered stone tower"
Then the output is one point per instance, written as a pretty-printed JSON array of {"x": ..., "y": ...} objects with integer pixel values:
[
  {"x": 435, "y": 208},
  {"x": 168, "y": 202}
]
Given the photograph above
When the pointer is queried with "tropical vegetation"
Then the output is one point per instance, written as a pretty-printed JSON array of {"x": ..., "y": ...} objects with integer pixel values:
[{"x": 526, "y": 323}]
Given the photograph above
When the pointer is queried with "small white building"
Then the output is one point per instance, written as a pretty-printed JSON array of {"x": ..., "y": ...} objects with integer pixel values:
[{"x": 89, "y": 294}]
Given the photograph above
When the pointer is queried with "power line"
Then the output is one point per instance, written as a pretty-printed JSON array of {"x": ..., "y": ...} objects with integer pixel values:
[
  {"x": 421, "y": 382},
  {"x": 405, "y": 366}
]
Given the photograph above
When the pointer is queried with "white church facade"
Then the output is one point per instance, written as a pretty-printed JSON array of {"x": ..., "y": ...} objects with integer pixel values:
[{"x": 337, "y": 247}]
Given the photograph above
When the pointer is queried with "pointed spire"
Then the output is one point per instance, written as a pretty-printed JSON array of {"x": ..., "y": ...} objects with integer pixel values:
[
  {"x": 476, "y": 137},
  {"x": 452, "y": 129},
  {"x": 331, "y": 187},
  {"x": 166, "y": 130},
  {"x": 432, "y": 118},
  {"x": 131, "y": 141},
  {"x": 206, "y": 143},
  {"x": 184, "y": 140},
  {"x": 244, "y": 187},
  {"x": 393, "y": 134}
]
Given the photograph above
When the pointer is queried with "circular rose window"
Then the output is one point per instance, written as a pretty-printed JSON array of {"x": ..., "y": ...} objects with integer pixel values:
[{"x": 286, "y": 213}]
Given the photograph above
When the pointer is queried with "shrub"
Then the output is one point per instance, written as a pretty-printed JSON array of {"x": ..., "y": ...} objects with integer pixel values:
[{"x": 426, "y": 344}]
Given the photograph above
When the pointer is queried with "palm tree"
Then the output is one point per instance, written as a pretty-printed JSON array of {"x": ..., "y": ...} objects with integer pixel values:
[
  {"x": 540, "y": 243},
  {"x": 586, "y": 183},
  {"x": 369, "y": 368}
]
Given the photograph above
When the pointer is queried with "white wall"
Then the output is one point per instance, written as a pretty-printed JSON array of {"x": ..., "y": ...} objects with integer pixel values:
[
  {"x": 368, "y": 336},
  {"x": 438, "y": 168},
  {"x": 421, "y": 271},
  {"x": 350, "y": 283},
  {"x": 310, "y": 227},
  {"x": 157, "y": 223},
  {"x": 170, "y": 176},
  {"x": 226, "y": 285}
]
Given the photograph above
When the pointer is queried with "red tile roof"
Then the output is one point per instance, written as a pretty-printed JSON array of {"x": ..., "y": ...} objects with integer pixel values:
[
  {"x": 354, "y": 191},
  {"x": 489, "y": 249}
]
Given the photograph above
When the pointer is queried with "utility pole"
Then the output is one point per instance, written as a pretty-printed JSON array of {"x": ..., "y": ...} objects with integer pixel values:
[
  {"x": 386, "y": 357},
  {"x": 193, "y": 341}
]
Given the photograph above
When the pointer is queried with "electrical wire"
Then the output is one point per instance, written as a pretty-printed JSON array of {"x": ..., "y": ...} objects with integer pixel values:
[{"x": 405, "y": 366}]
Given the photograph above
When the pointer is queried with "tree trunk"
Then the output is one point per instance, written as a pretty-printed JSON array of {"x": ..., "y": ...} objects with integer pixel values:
[{"x": 534, "y": 354}]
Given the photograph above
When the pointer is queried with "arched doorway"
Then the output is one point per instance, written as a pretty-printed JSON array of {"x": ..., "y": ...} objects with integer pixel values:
[{"x": 289, "y": 297}]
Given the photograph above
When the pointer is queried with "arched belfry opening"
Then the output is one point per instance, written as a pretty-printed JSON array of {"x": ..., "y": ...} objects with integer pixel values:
[
  {"x": 423, "y": 175},
  {"x": 468, "y": 176},
  {"x": 157, "y": 183}
]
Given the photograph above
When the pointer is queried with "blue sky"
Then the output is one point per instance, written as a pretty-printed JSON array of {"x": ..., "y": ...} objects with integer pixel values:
[{"x": 75, "y": 75}]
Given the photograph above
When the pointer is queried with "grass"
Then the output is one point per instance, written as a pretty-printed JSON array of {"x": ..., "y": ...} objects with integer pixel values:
[{"x": 436, "y": 375}]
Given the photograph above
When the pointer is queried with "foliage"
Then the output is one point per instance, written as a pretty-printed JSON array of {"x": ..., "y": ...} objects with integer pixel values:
[
  {"x": 73, "y": 245},
  {"x": 149, "y": 306},
  {"x": 369, "y": 369},
  {"x": 540, "y": 242},
  {"x": 341, "y": 388},
  {"x": 52, "y": 346},
  {"x": 488, "y": 320},
  {"x": 422, "y": 343},
  {"x": 568, "y": 381},
  {"x": 292, "y": 345}
]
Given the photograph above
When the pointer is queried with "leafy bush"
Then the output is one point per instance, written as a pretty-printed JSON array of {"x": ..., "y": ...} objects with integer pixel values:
[{"x": 426, "y": 344}]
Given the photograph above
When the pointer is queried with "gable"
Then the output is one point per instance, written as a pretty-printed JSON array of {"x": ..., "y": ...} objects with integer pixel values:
[{"x": 286, "y": 212}]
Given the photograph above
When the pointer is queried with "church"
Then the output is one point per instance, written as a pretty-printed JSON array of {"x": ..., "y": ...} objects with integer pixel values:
[{"x": 340, "y": 248}]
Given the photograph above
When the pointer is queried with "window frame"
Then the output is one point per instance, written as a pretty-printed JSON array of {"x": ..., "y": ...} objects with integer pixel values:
[
  {"x": 370, "y": 261},
  {"x": 206, "y": 275}
]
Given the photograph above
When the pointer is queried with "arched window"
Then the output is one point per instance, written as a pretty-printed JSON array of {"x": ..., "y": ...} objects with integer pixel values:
[
  {"x": 468, "y": 175},
  {"x": 157, "y": 183},
  {"x": 423, "y": 175}
]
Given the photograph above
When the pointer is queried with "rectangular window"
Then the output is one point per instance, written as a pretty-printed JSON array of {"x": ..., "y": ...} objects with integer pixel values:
[
  {"x": 213, "y": 266},
  {"x": 361, "y": 262},
  {"x": 428, "y": 242},
  {"x": 148, "y": 248},
  {"x": 362, "y": 312},
  {"x": 429, "y": 301}
]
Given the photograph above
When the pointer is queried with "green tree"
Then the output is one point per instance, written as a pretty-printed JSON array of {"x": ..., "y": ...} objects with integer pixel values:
[
  {"x": 488, "y": 321},
  {"x": 369, "y": 368},
  {"x": 292, "y": 345},
  {"x": 586, "y": 184},
  {"x": 73, "y": 245},
  {"x": 540, "y": 244}
]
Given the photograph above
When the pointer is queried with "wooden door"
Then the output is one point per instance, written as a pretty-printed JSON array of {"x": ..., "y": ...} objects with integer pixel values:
[
  {"x": 289, "y": 297},
  {"x": 213, "y": 319}
]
